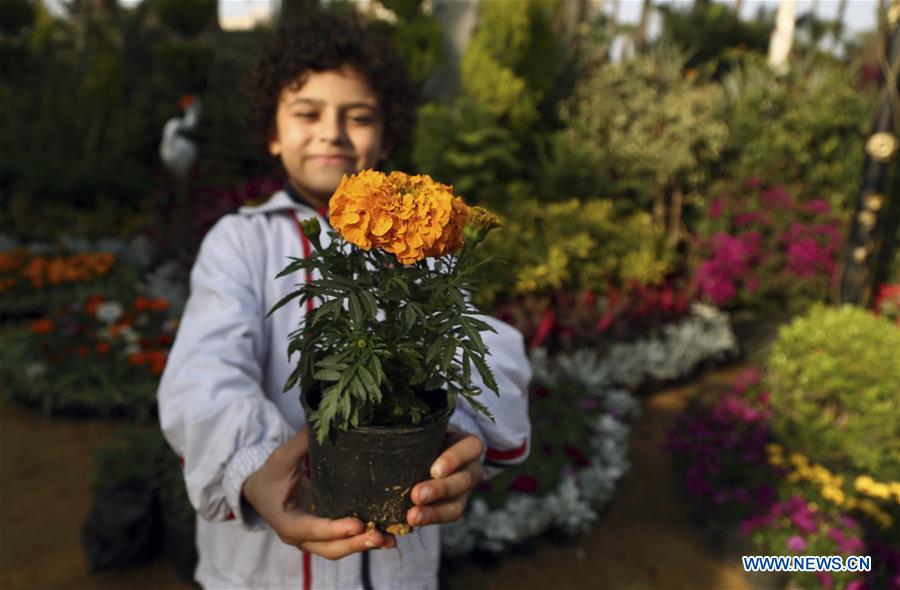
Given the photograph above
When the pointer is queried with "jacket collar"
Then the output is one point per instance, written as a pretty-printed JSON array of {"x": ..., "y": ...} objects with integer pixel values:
[{"x": 279, "y": 201}]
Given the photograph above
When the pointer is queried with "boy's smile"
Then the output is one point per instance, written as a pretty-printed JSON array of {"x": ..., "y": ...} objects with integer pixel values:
[{"x": 329, "y": 126}]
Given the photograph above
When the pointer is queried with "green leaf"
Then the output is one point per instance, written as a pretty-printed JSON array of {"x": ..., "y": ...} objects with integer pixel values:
[
  {"x": 370, "y": 303},
  {"x": 328, "y": 375},
  {"x": 292, "y": 379},
  {"x": 286, "y": 299},
  {"x": 355, "y": 310},
  {"x": 486, "y": 375}
]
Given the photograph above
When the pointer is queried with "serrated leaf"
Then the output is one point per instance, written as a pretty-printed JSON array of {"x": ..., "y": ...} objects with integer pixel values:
[
  {"x": 285, "y": 300},
  {"x": 327, "y": 375},
  {"x": 486, "y": 375},
  {"x": 371, "y": 305},
  {"x": 355, "y": 310}
]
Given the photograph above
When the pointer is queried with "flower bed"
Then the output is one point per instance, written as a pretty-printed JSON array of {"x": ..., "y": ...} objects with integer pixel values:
[
  {"x": 780, "y": 500},
  {"x": 100, "y": 357},
  {"x": 38, "y": 277},
  {"x": 573, "y": 471}
]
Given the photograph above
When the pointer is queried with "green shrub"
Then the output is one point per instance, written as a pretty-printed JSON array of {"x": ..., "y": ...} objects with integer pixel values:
[
  {"x": 459, "y": 144},
  {"x": 834, "y": 377},
  {"x": 574, "y": 246},
  {"x": 511, "y": 61},
  {"x": 805, "y": 129},
  {"x": 639, "y": 129}
]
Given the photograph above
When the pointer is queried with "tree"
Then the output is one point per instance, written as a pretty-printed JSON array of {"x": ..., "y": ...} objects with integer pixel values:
[{"x": 782, "y": 35}]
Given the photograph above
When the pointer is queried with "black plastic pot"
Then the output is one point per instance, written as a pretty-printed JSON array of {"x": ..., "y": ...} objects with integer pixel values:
[{"x": 368, "y": 472}]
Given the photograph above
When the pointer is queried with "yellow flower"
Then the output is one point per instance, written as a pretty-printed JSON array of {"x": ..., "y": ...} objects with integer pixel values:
[
  {"x": 833, "y": 494},
  {"x": 863, "y": 482},
  {"x": 411, "y": 217},
  {"x": 799, "y": 460},
  {"x": 774, "y": 449}
]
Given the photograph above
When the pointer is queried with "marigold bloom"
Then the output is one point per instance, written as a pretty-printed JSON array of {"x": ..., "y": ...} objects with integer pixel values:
[{"x": 412, "y": 217}]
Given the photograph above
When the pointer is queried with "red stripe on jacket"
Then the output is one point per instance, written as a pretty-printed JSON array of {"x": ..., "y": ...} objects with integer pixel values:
[{"x": 508, "y": 455}]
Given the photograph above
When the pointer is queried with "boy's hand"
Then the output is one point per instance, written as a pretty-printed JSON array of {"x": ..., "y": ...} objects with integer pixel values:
[
  {"x": 456, "y": 472},
  {"x": 279, "y": 491}
]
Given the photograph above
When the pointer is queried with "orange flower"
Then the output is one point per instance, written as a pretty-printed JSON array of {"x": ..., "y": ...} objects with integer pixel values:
[
  {"x": 42, "y": 326},
  {"x": 158, "y": 304},
  {"x": 10, "y": 261},
  {"x": 92, "y": 303},
  {"x": 142, "y": 303},
  {"x": 102, "y": 347},
  {"x": 409, "y": 216}
]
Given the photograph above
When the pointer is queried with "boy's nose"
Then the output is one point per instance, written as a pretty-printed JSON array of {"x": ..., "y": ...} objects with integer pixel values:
[{"x": 331, "y": 129}]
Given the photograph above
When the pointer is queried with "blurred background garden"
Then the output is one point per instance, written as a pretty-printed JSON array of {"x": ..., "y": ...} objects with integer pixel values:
[{"x": 701, "y": 205}]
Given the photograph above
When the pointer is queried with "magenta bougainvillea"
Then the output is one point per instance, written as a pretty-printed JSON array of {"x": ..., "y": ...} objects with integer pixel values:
[{"x": 759, "y": 244}]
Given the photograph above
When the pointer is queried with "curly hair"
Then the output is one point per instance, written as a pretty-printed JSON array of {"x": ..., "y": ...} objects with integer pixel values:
[{"x": 324, "y": 41}]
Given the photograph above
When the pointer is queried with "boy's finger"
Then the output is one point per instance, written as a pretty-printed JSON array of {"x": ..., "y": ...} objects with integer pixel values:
[
  {"x": 440, "y": 512},
  {"x": 463, "y": 451},
  {"x": 344, "y": 547},
  {"x": 312, "y": 528},
  {"x": 456, "y": 484}
]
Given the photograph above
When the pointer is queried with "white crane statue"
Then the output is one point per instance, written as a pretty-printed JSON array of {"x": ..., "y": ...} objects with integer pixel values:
[{"x": 177, "y": 152}]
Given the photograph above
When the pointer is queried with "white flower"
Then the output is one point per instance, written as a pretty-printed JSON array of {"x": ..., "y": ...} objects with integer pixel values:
[
  {"x": 109, "y": 312},
  {"x": 36, "y": 370},
  {"x": 672, "y": 353}
]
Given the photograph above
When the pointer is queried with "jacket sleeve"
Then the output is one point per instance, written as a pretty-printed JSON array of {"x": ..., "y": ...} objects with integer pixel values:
[
  {"x": 508, "y": 438},
  {"x": 212, "y": 407}
]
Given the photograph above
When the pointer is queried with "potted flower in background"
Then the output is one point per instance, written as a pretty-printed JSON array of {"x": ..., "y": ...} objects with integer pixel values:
[{"x": 392, "y": 341}]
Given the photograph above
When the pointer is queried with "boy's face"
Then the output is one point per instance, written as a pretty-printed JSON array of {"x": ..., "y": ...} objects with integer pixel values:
[{"x": 330, "y": 126}]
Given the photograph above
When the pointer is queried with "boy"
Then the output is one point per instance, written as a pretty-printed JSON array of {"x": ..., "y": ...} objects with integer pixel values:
[{"x": 333, "y": 99}]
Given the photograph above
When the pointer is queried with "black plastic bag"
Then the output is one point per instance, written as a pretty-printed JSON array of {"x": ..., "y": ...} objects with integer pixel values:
[{"x": 124, "y": 529}]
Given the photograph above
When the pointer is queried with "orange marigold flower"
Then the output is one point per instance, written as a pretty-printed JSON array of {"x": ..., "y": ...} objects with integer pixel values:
[
  {"x": 142, "y": 303},
  {"x": 158, "y": 304},
  {"x": 102, "y": 347},
  {"x": 10, "y": 261},
  {"x": 42, "y": 326},
  {"x": 409, "y": 216}
]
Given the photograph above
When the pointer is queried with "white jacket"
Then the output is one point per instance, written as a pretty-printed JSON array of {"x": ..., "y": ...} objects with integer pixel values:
[{"x": 222, "y": 410}]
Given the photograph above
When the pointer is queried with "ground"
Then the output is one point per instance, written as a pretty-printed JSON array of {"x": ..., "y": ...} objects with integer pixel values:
[{"x": 645, "y": 540}]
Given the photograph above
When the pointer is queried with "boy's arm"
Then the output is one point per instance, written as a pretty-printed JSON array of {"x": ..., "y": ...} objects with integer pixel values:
[
  {"x": 507, "y": 440},
  {"x": 212, "y": 407}
]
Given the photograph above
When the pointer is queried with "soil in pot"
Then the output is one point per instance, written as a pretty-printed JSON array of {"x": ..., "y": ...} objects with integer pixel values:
[{"x": 368, "y": 472}]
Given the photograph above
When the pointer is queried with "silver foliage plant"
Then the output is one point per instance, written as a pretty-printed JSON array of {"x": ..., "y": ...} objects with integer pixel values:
[{"x": 574, "y": 507}]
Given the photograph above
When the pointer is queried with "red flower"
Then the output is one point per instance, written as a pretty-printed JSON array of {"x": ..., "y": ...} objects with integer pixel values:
[
  {"x": 525, "y": 484},
  {"x": 42, "y": 326},
  {"x": 544, "y": 328},
  {"x": 141, "y": 303},
  {"x": 92, "y": 303},
  {"x": 102, "y": 347}
]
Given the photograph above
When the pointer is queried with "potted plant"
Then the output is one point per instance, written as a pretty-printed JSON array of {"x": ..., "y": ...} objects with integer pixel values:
[{"x": 391, "y": 342}]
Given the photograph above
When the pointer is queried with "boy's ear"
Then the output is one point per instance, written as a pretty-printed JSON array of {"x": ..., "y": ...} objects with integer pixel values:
[{"x": 274, "y": 144}]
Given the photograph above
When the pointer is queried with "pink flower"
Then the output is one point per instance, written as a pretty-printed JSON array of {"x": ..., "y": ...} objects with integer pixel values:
[
  {"x": 716, "y": 208},
  {"x": 825, "y": 579},
  {"x": 777, "y": 197},
  {"x": 752, "y": 183},
  {"x": 796, "y": 544},
  {"x": 818, "y": 206}
]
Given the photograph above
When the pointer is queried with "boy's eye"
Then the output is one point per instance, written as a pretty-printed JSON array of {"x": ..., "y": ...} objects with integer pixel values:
[
  {"x": 362, "y": 119},
  {"x": 307, "y": 115}
]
